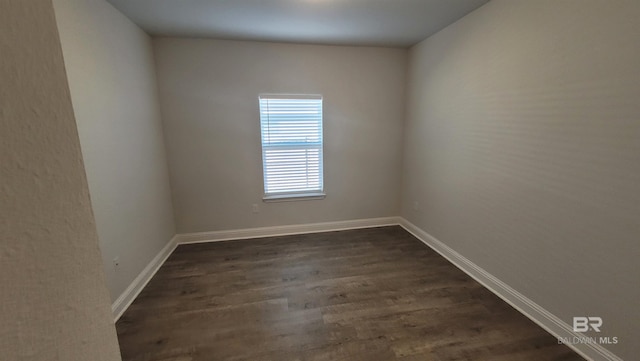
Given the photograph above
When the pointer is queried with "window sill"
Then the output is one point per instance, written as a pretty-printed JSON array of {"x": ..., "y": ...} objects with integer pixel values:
[{"x": 293, "y": 197}]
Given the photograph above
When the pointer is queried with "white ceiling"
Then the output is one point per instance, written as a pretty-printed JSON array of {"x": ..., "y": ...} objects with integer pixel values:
[{"x": 346, "y": 22}]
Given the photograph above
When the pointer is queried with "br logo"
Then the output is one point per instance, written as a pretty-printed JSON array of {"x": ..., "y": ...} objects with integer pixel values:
[{"x": 584, "y": 324}]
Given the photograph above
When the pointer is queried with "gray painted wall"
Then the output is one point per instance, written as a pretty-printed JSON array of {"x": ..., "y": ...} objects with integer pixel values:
[
  {"x": 209, "y": 98},
  {"x": 53, "y": 301},
  {"x": 522, "y": 149},
  {"x": 111, "y": 74}
]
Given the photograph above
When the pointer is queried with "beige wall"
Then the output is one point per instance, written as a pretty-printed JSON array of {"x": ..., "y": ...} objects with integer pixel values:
[
  {"x": 53, "y": 301},
  {"x": 209, "y": 95},
  {"x": 111, "y": 74},
  {"x": 523, "y": 152}
]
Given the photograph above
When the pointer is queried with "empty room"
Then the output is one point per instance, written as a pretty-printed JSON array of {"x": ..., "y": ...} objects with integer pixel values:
[{"x": 311, "y": 180}]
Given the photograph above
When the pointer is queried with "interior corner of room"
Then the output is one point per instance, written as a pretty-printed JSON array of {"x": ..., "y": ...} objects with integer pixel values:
[{"x": 508, "y": 142}]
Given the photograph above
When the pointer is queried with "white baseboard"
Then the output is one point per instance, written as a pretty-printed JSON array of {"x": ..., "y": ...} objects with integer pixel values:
[
  {"x": 527, "y": 307},
  {"x": 129, "y": 295},
  {"x": 248, "y": 233}
]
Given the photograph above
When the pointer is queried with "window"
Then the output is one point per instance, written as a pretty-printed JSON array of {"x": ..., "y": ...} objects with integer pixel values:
[{"x": 291, "y": 146}]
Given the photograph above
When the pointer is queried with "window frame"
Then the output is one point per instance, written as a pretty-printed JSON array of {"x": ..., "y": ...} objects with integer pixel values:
[{"x": 286, "y": 196}]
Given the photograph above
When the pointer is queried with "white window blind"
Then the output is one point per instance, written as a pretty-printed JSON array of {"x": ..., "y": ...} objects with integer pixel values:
[{"x": 291, "y": 145}]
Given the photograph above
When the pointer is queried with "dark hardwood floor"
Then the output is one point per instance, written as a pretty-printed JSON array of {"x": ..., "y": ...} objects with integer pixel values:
[{"x": 372, "y": 294}]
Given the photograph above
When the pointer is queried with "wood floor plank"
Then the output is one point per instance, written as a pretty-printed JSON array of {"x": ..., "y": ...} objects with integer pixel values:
[{"x": 372, "y": 295}]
